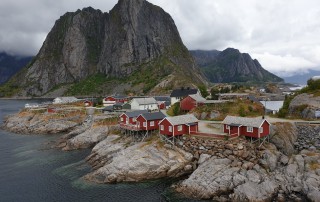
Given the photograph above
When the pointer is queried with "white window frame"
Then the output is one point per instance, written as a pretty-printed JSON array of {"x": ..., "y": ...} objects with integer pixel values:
[
  {"x": 249, "y": 129},
  {"x": 134, "y": 119},
  {"x": 227, "y": 127},
  {"x": 261, "y": 130},
  {"x": 144, "y": 124},
  {"x": 152, "y": 123},
  {"x": 121, "y": 119},
  {"x": 170, "y": 128},
  {"x": 161, "y": 127},
  {"x": 179, "y": 127}
]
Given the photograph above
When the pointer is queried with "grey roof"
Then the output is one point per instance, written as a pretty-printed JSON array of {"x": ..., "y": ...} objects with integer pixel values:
[
  {"x": 145, "y": 101},
  {"x": 136, "y": 113},
  {"x": 198, "y": 98},
  {"x": 183, "y": 92},
  {"x": 154, "y": 116},
  {"x": 183, "y": 119},
  {"x": 252, "y": 122},
  {"x": 118, "y": 96},
  {"x": 165, "y": 99}
]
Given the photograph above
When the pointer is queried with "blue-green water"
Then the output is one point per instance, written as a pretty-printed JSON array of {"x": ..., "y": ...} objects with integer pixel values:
[{"x": 31, "y": 171}]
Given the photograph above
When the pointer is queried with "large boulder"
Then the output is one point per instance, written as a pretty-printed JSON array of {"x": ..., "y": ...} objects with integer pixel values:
[{"x": 140, "y": 162}]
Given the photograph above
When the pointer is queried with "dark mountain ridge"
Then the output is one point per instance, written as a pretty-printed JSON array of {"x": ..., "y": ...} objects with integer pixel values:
[
  {"x": 232, "y": 66},
  {"x": 10, "y": 64}
]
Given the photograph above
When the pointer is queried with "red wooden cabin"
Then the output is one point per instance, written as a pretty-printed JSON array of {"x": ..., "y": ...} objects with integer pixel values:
[
  {"x": 113, "y": 99},
  {"x": 129, "y": 120},
  {"x": 250, "y": 127},
  {"x": 191, "y": 101},
  {"x": 179, "y": 125},
  {"x": 149, "y": 121}
]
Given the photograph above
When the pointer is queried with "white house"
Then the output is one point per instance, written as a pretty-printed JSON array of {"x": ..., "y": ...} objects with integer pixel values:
[
  {"x": 144, "y": 104},
  {"x": 64, "y": 100},
  {"x": 178, "y": 94}
]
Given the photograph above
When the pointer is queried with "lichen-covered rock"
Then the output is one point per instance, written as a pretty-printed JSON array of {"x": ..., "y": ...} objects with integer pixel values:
[
  {"x": 88, "y": 138},
  {"x": 139, "y": 162}
]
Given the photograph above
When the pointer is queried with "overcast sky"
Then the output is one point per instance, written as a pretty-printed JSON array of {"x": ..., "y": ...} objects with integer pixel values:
[{"x": 284, "y": 35}]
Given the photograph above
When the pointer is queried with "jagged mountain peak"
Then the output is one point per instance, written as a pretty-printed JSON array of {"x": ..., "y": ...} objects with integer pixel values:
[
  {"x": 134, "y": 36},
  {"x": 231, "y": 65}
]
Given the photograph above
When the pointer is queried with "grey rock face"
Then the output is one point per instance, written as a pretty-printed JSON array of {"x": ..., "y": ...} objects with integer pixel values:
[{"x": 117, "y": 43}]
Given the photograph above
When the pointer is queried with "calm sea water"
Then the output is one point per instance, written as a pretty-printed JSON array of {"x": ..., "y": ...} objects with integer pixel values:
[{"x": 31, "y": 171}]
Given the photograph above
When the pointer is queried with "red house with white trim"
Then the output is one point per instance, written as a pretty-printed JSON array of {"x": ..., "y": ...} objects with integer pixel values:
[
  {"x": 129, "y": 120},
  {"x": 178, "y": 125},
  {"x": 191, "y": 101},
  {"x": 113, "y": 99},
  {"x": 149, "y": 121},
  {"x": 250, "y": 127}
]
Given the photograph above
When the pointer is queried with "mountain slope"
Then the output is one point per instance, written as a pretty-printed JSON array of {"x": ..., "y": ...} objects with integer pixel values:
[
  {"x": 232, "y": 66},
  {"x": 301, "y": 78},
  {"x": 9, "y": 65},
  {"x": 133, "y": 38}
]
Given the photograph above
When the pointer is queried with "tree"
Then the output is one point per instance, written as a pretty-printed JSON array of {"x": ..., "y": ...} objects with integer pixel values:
[{"x": 203, "y": 91}]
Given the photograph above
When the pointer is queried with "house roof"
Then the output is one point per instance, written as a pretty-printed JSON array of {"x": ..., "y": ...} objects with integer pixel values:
[
  {"x": 165, "y": 99},
  {"x": 145, "y": 101},
  {"x": 153, "y": 116},
  {"x": 198, "y": 98},
  {"x": 135, "y": 113},
  {"x": 183, "y": 92},
  {"x": 118, "y": 96},
  {"x": 237, "y": 121},
  {"x": 183, "y": 119}
]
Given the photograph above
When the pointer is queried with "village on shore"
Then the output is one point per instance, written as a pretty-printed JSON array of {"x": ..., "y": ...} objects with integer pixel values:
[
  {"x": 240, "y": 152},
  {"x": 144, "y": 114}
]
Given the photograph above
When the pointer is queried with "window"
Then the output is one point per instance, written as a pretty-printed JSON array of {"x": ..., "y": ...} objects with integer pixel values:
[
  {"x": 249, "y": 129},
  {"x": 161, "y": 127},
  {"x": 121, "y": 119},
  {"x": 228, "y": 127},
  {"x": 152, "y": 123},
  {"x": 134, "y": 119},
  {"x": 144, "y": 124},
  {"x": 261, "y": 130},
  {"x": 170, "y": 128},
  {"x": 180, "y": 128}
]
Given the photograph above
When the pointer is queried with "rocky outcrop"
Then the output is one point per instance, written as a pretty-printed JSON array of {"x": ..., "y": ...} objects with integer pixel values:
[
  {"x": 138, "y": 162},
  {"x": 88, "y": 138},
  {"x": 232, "y": 66},
  {"x": 38, "y": 123},
  {"x": 304, "y": 106},
  {"x": 133, "y": 36},
  {"x": 274, "y": 177},
  {"x": 284, "y": 136}
]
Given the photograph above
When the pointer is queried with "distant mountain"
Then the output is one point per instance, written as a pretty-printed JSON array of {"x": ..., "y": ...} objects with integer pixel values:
[
  {"x": 301, "y": 79},
  {"x": 135, "y": 47},
  {"x": 9, "y": 65},
  {"x": 232, "y": 66}
]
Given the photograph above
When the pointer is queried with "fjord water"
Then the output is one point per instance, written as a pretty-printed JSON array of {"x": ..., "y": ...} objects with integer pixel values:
[{"x": 31, "y": 171}]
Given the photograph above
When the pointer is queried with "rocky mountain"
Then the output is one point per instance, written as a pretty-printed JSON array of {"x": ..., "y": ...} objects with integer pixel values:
[
  {"x": 232, "y": 66},
  {"x": 9, "y": 65},
  {"x": 301, "y": 78},
  {"x": 136, "y": 44}
]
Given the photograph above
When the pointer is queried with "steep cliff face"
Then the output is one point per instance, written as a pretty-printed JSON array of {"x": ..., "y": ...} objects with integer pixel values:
[
  {"x": 232, "y": 66},
  {"x": 116, "y": 44}
]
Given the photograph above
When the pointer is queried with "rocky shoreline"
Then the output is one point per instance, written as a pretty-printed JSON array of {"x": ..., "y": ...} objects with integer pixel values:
[{"x": 287, "y": 169}]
